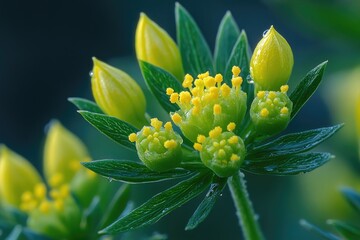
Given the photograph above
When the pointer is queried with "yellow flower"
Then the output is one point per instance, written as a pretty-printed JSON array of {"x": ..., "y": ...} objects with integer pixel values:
[
  {"x": 272, "y": 61},
  {"x": 63, "y": 153},
  {"x": 17, "y": 176},
  {"x": 154, "y": 45},
  {"x": 118, "y": 94}
]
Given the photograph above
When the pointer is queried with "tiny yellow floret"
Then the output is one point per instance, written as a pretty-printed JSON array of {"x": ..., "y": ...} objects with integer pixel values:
[
  {"x": 146, "y": 132},
  {"x": 284, "y": 88},
  {"x": 217, "y": 109},
  {"x": 132, "y": 137},
  {"x": 215, "y": 132},
  {"x": 225, "y": 90},
  {"x": 231, "y": 126},
  {"x": 200, "y": 138},
  {"x": 209, "y": 82},
  {"x": 264, "y": 112},
  {"x": 218, "y": 78},
  {"x": 234, "y": 157},
  {"x": 176, "y": 118},
  {"x": 174, "y": 97},
  {"x": 236, "y": 81},
  {"x": 168, "y": 144},
  {"x": 185, "y": 97},
  {"x": 233, "y": 140},
  {"x": 168, "y": 126},
  {"x": 260, "y": 94},
  {"x": 272, "y": 95},
  {"x": 284, "y": 110},
  {"x": 235, "y": 71},
  {"x": 187, "y": 83},
  {"x": 169, "y": 91},
  {"x": 197, "y": 146},
  {"x": 203, "y": 75},
  {"x": 156, "y": 123}
]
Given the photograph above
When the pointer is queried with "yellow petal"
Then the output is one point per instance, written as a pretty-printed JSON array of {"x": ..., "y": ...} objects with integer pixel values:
[
  {"x": 118, "y": 94},
  {"x": 17, "y": 176},
  {"x": 154, "y": 45}
]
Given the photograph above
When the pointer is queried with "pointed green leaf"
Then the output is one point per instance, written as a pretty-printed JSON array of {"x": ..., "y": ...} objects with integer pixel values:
[
  {"x": 287, "y": 165},
  {"x": 86, "y": 105},
  {"x": 195, "y": 52},
  {"x": 310, "y": 227},
  {"x": 112, "y": 127},
  {"x": 352, "y": 197},
  {"x": 132, "y": 172},
  {"x": 291, "y": 143},
  {"x": 348, "y": 231},
  {"x": 226, "y": 37},
  {"x": 306, "y": 88},
  {"x": 207, "y": 203},
  {"x": 158, "y": 80},
  {"x": 161, "y": 204}
]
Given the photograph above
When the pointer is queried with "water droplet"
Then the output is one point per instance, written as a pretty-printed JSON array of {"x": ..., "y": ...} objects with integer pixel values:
[
  {"x": 249, "y": 79},
  {"x": 91, "y": 73},
  {"x": 265, "y": 32},
  {"x": 270, "y": 168},
  {"x": 164, "y": 210},
  {"x": 210, "y": 193},
  {"x": 221, "y": 194}
]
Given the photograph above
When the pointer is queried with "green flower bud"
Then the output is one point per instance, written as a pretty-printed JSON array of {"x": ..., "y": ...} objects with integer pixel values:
[
  {"x": 208, "y": 103},
  {"x": 270, "y": 111},
  {"x": 118, "y": 94},
  {"x": 154, "y": 45},
  {"x": 159, "y": 148},
  {"x": 63, "y": 153},
  {"x": 272, "y": 61},
  {"x": 17, "y": 176},
  {"x": 222, "y": 152}
]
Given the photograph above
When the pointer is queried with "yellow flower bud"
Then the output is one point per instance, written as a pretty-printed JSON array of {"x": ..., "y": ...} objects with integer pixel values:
[
  {"x": 154, "y": 45},
  {"x": 118, "y": 94},
  {"x": 63, "y": 153},
  {"x": 272, "y": 61},
  {"x": 17, "y": 176}
]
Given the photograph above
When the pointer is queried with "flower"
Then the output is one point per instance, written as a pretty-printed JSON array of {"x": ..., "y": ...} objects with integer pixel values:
[
  {"x": 272, "y": 61},
  {"x": 154, "y": 45},
  {"x": 118, "y": 94}
]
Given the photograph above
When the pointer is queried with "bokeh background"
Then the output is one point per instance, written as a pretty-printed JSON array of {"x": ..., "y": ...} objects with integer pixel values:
[{"x": 45, "y": 57}]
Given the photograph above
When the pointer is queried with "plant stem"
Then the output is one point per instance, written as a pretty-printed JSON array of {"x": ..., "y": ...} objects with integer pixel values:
[{"x": 244, "y": 210}]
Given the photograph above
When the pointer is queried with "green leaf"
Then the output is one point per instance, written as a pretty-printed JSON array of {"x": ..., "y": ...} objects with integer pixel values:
[
  {"x": 112, "y": 127},
  {"x": 287, "y": 165},
  {"x": 352, "y": 197},
  {"x": 132, "y": 172},
  {"x": 116, "y": 206},
  {"x": 86, "y": 105},
  {"x": 226, "y": 37},
  {"x": 291, "y": 143},
  {"x": 207, "y": 203},
  {"x": 195, "y": 52},
  {"x": 158, "y": 80},
  {"x": 15, "y": 233},
  {"x": 161, "y": 204},
  {"x": 306, "y": 88},
  {"x": 346, "y": 230},
  {"x": 310, "y": 227},
  {"x": 240, "y": 56}
]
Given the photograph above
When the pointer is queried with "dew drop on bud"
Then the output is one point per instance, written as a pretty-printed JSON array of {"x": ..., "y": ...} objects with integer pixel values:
[{"x": 265, "y": 32}]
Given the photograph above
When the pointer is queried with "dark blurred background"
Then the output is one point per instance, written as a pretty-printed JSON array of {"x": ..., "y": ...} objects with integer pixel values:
[{"x": 45, "y": 57}]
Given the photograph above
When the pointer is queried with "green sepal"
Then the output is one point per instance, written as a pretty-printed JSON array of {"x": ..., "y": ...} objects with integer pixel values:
[
  {"x": 306, "y": 88},
  {"x": 86, "y": 105},
  {"x": 194, "y": 50},
  {"x": 158, "y": 80},
  {"x": 161, "y": 204},
  {"x": 287, "y": 165},
  {"x": 226, "y": 37},
  {"x": 112, "y": 127},
  {"x": 207, "y": 204},
  {"x": 291, "y": 143},
  {"x": 132, "y": 172}
]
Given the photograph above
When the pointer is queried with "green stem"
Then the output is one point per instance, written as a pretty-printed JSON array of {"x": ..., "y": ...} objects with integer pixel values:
[{"x": 244, "y": 210}]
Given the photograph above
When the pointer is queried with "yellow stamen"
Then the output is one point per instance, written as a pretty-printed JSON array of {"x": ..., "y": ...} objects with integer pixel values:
[
  {"x": 272, "y": 95},
  {"x": 174, "y": 97},
  {"x": 203, "y": 75},
  {"x": 185, "y": 97},
  {"x": 236, "y": 81},
  {"x": 169, "y": 91},
  {"x": 235, "y": 71},
  {"x": 187, "y": 81},
  {"x": 133, "y": 137},
  {"x": 233, "y": 140},
  {"x": 169, "y": 144},
  {"x": 260, "y": 94},
  {"x": 146, "y": 131},
  {"x": 216, "y": 144},
  {"x": 215, "y": 132},
  {"x": 217, "y": 109},
  {"x": 197, "y": 146},
  {"x": 209, "y": 82},
  {"x": 199, "y": 83},
  {"x": 218, "y": 78},
  {"x": 168, "y": 126},
  {"x": 231, "y": 126},
  {"x": 196, "y": 110},
  {"x": 264, "y": 112},
  {"x": 214, "y": 92},
  {"x": 284, "y": 110},
  {"x": 223, "y": 143},
  {"x": 195, "y": 91},
  {"x": 234, "y": 157},
  {"x": 225, "y": 90},
  {"x": 200, "y": 138},
  {"x": 40, "y": 191},
  {"x": 44, "y": 207},
  {"x": 221, "y": 153},
  {"x": 196, "y": 101},
  {"x": 284, "y": 88},
  {"x": 176, "y": 118},
  {"x": 156, "y": 123}
]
